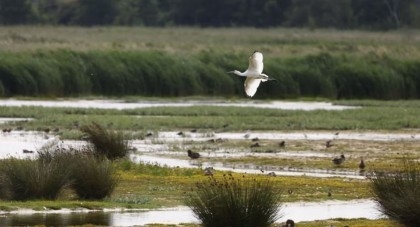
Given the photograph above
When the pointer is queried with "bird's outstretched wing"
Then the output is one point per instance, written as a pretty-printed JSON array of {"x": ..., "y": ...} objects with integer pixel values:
[
  {"x": 256, "y": 62},
  {"x": 251, "y": 86}
]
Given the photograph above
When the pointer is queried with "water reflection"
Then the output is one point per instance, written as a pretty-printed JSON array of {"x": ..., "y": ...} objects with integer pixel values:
[
  {"x": 57, "y": 219},
  {"x": 311, "y": 210}
]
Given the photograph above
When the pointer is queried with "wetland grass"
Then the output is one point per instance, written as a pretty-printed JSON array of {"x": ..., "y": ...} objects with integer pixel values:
[
  {"x": 105, "y": 143},
  {"x": 398, "y": 195},
  {"x": 230, "y": 201},
  {"x": 375, "y": 115}
]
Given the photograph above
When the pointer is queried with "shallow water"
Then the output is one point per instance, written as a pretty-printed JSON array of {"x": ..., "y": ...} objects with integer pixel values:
[
  {"x": 299, "y": 211},
  {"x": 246, "y": 168},
  {"x": 302, "y": 135},
  {"x": 119, "y": 104}
]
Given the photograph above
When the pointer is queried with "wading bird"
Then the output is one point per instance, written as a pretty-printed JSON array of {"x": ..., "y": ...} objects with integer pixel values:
[
  {"x": 339, "y": 160},
  {"x": 362, "y": 164},
  {"x": 253, "y": 74},
  {"x": 193, "y": 155}
]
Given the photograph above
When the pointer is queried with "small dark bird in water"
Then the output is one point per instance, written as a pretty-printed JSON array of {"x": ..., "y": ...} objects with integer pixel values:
[
  {"x": 328, "y": 144},
  {"x": 272, "y": 174},
  {"x": 27, "y": 151},
  {"x": 255, "y": 145},
  {"x": 7, "y": 130},
  {"x": 339, "y": 160},
  {"x": 362, "y": 164},
  {"x": 289, "y": 223},
  {"x": 46, "y": 130},
  {"x": 255, "y": 139},
  {"x": 193, "y": 130},
  {"x": 282, "y": 143},
  {"x": 149, "y": 134},
  {"x": 193, "y": 155},
  {"x": 180, "y": 133},
  {"x": 337, "y": 133}
]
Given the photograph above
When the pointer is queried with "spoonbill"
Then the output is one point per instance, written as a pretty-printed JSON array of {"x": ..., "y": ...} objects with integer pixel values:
[{"x": 253, "y": 74}]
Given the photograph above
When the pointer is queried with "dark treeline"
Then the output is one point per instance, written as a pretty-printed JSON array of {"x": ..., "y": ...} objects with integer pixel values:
[
  {"x": 341, "y": 14},
  {"x": 118, "y": 73}
]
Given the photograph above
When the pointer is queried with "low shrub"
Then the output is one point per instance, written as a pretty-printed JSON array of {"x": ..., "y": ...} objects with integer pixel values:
[
  {"x": 398, "y": 194},
  {"x": 235, "y": 202}
]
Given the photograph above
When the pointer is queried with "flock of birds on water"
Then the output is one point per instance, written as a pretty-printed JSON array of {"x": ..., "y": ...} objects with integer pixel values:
[{"x": 336, "y": 160}]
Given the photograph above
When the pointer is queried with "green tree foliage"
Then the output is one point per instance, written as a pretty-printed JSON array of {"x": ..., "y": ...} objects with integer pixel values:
[
  {"x": 14, "y": 12},
  {"x": 341, "y": 14}
]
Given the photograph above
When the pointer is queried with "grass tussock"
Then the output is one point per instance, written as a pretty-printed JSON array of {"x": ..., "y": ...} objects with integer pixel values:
[
  {"x": 94, "y": 178},
  {"x": 235, "y": 202},
  {"x": 106, "y": 143},
  {"x": 24, "y": 179},
  {"x": 57, "y": 168},
  {"x": 398, "y": 194}
]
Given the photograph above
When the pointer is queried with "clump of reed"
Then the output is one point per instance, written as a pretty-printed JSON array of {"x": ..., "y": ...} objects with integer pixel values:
[
  {"x": 105, "y": 143},
  {"x": 398, "y": 194},
  {"x": 24, "y": 179},
  {"x": 57, "y": 168},
  {"x": 234, "y": 202},
  {"x": 93, "y": 178}
]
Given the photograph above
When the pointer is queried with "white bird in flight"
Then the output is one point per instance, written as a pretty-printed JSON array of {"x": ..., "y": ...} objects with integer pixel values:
[{"x": 253, "y": 74}]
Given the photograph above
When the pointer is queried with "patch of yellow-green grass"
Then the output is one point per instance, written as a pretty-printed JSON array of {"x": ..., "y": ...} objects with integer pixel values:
[{"x": 170, "y": 189}]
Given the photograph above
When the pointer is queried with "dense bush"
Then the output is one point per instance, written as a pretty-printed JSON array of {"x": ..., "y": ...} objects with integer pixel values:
[
  {"x": 153, "y": 73},
  {"x": 105, "y": 143},
  {"x": 398, "y": 194},
  {"x": 235, "y": 202}
]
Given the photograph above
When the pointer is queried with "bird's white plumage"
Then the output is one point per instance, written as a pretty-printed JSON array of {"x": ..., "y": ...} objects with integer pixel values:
[
  {"x": 256, "y": 63},
  {"x": 251, "y": 86},
  {"x": 253, "y": 74}
]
